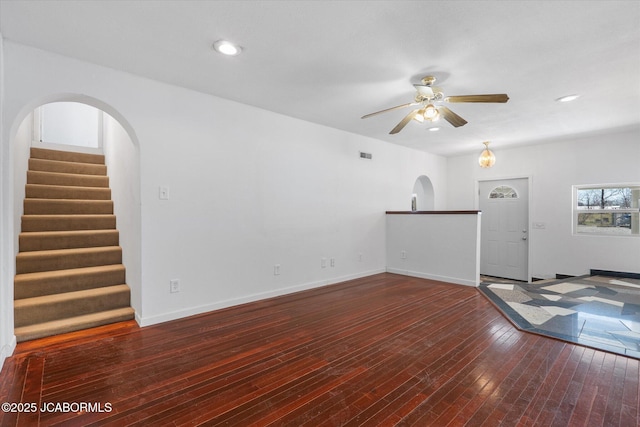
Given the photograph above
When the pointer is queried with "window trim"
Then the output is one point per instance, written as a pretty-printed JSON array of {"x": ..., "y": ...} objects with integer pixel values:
[{"x": 575, "y": 211}]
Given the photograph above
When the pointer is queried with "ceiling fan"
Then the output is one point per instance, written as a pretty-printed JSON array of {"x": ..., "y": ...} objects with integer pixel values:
[{"x": 429, "y": 98}]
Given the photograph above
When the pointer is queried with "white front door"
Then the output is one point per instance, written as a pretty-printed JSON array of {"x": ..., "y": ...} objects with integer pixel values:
[{"x": 504, "y": 250}]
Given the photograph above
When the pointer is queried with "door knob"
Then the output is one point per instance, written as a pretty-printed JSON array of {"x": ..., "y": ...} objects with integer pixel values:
[{"x": 524, "y": 237}]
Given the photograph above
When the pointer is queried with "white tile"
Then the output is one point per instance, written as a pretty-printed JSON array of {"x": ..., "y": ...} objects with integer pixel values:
[
  {"x": 533, "y": 315},
  {"x": 501, "y": 286},
  {"x": 622, "y": 283},
  {"x": 565, "y": 288}
]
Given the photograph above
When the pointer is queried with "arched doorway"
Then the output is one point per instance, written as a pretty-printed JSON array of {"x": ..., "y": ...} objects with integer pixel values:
[
  {"x": 423, "y": 190},
  {"x": 120, "y": 147}
]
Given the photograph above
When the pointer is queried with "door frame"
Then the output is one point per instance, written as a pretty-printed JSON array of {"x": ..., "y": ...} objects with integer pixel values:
[{"x": 529, "y": 179}]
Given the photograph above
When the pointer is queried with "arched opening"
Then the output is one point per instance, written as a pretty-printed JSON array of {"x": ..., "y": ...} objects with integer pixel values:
[
  {"x": 423, "y": 189},
  {"x": 119, "y": 144}
]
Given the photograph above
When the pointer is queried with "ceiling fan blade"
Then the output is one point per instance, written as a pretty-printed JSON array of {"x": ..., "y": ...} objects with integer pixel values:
[
  {"x": 404, "y": 122},
  {"x": 389, "y": 109},
  {"x": 498, "y": 97},
  {"x": 452, "y": 117}
]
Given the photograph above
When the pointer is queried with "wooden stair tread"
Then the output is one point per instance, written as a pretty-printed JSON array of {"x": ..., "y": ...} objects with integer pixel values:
[
  {"x": 65, "y": 233},
  {"x": 36, "y": 206},
  {"x": 68, "y": 222},
  {"x": 71, "y": 251},
  {"x": 46, "y": 191},
  {"x": 29, "y": 241},
  {"x": 48, "y": 165},
  {"x": 70, "y": 296},
  {"x": 69, "y": 179},
  {"x": 66, "y": 273},
  {"x": 41, "y": 283},
  {"x": 62, "y": 259},
  {"x": 68, "y": 156},
  {"x": 86, "y": 321},
  {"x": 48, "y": 308},
  {"x": 67, "y": 216}
]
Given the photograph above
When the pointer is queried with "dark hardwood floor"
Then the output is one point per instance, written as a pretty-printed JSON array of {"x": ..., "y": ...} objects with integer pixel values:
[{"x": 377, "y": 351}]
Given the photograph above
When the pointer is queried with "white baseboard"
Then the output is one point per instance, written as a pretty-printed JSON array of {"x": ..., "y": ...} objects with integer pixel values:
[
  {"x": 138, "y": 319},
  {"x": 179, "y": 314},
  {"x": 423, "y": 275},
  {"x": 7, "y": 350}
]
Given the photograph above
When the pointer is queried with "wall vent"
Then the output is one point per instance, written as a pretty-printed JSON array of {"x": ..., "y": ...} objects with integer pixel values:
[{"x": 365, "y": 155}]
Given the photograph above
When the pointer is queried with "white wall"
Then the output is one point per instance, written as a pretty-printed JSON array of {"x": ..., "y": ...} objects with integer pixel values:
[
  {"x": 70, "y": 123},
  {"x": 248, "y": 188},
  {"x": 7, "y": 262},
  {"x": 248, "y": 195},
  {"x": 20, "y": 154},
  {"x": 123, "y": 167},
  {"x": 437, "y": 246},
  {"x": 554, "y": 168}
]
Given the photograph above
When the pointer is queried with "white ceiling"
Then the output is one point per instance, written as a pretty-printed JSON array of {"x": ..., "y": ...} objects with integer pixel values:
[{"x": 330, "y": 62}]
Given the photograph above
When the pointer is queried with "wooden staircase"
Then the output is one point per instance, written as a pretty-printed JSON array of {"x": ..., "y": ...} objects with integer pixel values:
[{"x": 69, "y": 272}]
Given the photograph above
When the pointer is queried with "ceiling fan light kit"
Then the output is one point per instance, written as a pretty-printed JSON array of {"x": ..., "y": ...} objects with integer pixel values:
[
  {"x": 428, "y": 99},
  {"x": 431, "y": 113}
]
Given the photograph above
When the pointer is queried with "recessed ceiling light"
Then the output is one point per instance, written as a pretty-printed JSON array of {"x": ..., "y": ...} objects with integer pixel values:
[
  {"x": 434, "y": 129},
  {"x": 568, "y": 98},
  {"x": 227, "y": 48}
]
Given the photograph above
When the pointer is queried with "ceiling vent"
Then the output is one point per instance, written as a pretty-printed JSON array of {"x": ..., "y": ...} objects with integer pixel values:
[{"x": 365, "y": 155}]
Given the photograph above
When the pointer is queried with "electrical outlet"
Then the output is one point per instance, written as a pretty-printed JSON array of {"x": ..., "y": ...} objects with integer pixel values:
[
  {"x": 174, "y": 286},
  {"x": 332, "y": 262},
  {"x": 323, "y": 263},
  {"x": 276, "y": 270},
  {"x": 403, "y": 254}
]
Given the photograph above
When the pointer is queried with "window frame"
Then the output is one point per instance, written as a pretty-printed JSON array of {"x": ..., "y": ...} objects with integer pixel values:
[{"x": 576, "y": 210}]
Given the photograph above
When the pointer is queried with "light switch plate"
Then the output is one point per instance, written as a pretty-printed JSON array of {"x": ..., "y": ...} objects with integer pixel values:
[{"x": 163, "y": 193}]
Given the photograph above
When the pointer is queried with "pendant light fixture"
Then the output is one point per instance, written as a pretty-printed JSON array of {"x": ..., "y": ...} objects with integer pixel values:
[{"x": 487, "y": 158}]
